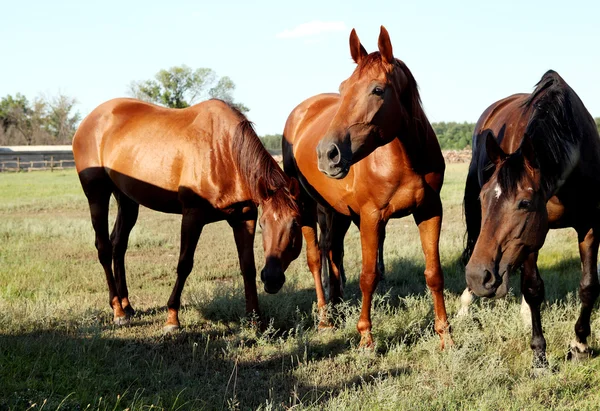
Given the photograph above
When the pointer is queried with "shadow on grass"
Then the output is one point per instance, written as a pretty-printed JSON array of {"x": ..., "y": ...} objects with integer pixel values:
[
  {"x": 290, "y": 309},
  {"x": 191, "y": 370},
  {"x": 211, "y": 367}
]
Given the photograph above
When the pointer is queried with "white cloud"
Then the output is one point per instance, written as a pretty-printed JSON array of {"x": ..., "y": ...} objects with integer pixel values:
[{"x": 312, "y": 29}]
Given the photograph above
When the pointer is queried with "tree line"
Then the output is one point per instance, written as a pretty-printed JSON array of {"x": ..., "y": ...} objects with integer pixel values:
[{"x": 53, "y": 120}]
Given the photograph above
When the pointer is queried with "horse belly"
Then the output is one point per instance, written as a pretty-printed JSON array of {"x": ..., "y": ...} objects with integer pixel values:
[{"x": 149, "y": 195}]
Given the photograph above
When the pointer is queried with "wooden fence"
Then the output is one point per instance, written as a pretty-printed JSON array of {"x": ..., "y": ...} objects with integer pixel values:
[
  {"x": 40, "y": 165},
  {"x": 34, "y": 158}
]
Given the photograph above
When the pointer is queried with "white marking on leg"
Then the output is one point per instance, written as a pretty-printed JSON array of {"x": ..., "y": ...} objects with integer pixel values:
[
  {"x": 465, "y": 299},
  {"x": 581, "y": 347},
  {"x": 525, "y": 313}
]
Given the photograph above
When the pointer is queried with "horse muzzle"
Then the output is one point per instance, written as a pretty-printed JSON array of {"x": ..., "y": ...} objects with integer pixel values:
[
  {"x": 484, "y": 282},
  {"x": 273, "y": 278},
  {"x": 333, "y": 160}
]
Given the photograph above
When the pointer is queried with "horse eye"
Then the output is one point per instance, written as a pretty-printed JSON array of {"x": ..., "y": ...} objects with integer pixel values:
[
  {"x": 524, "y": 204},
  {"x": 378, "y": 91}
]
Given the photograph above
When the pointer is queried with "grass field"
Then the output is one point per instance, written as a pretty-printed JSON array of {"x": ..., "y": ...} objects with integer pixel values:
[{"x": 59, "y": 349}]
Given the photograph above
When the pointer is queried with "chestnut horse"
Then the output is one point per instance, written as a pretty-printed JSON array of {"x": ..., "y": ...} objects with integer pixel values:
[
  {"x": 535, "y": 166},
  {"x": 204, "y": 162},
  {"x": 367, "y": 155}
]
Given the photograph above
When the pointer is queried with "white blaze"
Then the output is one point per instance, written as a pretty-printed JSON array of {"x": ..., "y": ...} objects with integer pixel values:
[{"x": 498, "y": 191}]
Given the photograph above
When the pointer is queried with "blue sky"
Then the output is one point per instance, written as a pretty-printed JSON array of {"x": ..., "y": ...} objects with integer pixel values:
[{"x": 464, "y": 54}]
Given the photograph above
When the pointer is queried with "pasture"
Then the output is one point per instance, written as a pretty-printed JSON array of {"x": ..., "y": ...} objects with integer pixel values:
[{"x": 59, "y": 348}]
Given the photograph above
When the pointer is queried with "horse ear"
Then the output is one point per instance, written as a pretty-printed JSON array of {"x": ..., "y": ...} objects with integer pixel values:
[
  {"x": 357, "y": 50},
  {"x": 263, "y": 189},
  {"x": 385, "y": 46},
  {"x": 294, "y": 188},
  {"x": 493, "y": 149},
  {"x": 528, "y": 151}
]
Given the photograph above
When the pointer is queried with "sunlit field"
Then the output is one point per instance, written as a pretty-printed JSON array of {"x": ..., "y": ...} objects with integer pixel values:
[{"x": 59, "y": 348}]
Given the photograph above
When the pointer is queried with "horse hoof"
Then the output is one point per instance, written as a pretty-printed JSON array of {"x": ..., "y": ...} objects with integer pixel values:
[
  {"x": 446, "y": 343},
  {"x": 121, "y": 321},
  {"x": 325, "y": 327},
  {"x": 463, "y": 312},
  {"x": 538, "y": 372},
  {"x": 129, "y": 311},
  {"x": 576, "y": 355},
  {"x": 366, "y": 342},
  {"x": 170, "y": 329}
]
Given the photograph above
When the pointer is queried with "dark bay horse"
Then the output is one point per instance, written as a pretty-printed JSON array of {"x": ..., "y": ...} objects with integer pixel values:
[
  {"x": 367, "y": 155},
  {"x": 204, "y": 162},
  {"x": 535, "y": 166}
]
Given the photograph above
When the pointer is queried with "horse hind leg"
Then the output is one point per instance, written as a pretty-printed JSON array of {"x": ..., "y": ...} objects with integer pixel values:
[
  {"x": 98, "y": 189},
  {"x": 338, "y": 226},
  {"x": 126, "y": 219},
  {"x": 589, "y": 288}
]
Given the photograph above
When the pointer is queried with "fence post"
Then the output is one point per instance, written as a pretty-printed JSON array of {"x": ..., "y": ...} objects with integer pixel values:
[
  {"x": 51, "y": 163},
  {"x": 18, "y": 164}
]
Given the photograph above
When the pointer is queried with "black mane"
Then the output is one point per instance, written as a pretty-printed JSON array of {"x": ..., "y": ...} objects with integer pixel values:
[{"x": 553, "y": 130}]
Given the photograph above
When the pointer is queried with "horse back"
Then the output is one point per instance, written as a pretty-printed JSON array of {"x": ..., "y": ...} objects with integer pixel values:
[{"x": 153, "y": 154}]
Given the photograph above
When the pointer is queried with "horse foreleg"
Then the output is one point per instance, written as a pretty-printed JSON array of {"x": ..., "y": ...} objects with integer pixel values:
[
  {"x": 191, "y": 227},
  {"x": 532, "y": 287},
  {"x": 370, "y": 224},
  {"x": 313, "y": 258},
  {"x": 243, "y": 233},
  {"x": 429, "y": 220},
  {"x": 588, "y": 291}
]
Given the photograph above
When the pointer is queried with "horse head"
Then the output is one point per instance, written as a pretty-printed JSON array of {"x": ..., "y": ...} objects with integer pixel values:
[
  {"x": 514, "y": 219},
  {"x": 375, "y": 101}
]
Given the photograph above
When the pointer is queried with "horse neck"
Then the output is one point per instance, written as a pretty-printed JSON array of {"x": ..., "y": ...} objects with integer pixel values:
[{"x": 421, "y": 143}]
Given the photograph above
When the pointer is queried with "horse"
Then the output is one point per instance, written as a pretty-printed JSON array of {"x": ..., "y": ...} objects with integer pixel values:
[
  {"x": 366, "y": 155},
  {"x": 204, "y": 162},
  {"x": 535, "y": 166}
]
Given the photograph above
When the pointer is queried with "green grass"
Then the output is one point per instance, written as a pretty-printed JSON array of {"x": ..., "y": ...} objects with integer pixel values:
[{"x": 59, "y": 349}]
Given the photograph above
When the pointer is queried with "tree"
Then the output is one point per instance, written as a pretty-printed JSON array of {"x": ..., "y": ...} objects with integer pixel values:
[
  {"x": 453, "y": 135},
  {"x": 272, "y": 141},
  {"x": 45, "y": 121},
  {"x": 60, "y": 123},
  {"x": 180, "y": 86}
]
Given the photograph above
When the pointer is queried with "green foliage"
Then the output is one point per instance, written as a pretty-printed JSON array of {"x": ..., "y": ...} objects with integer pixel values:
[
  {"x": 272, "y": 141},
  {"x": 180, "y": 86},
  {"x": 457, "y": 136},
  {"x": 454, "y": 136},
  {"x": 45, "y": 121}
]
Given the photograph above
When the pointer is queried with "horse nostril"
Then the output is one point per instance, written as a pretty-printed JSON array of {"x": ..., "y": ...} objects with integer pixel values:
[
  {"x": 488, "y": 280},
  {"x": 333, "y": 154}
]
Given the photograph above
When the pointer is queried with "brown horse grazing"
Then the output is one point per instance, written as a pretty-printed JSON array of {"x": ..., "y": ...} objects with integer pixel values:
[
  {"x": 366, "y": 155},
  {"x": 541, "y": 171},
  {"x": 204, "y": 162}
]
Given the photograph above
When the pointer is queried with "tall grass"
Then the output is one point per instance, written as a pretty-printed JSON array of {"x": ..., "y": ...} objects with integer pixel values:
[{"x": 59, "y": 349}]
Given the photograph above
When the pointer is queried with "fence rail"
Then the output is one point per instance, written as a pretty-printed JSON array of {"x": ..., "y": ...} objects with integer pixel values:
[{"x": 40, "y": 165}]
